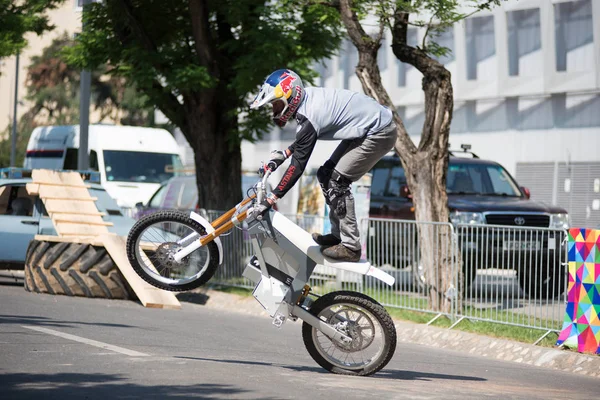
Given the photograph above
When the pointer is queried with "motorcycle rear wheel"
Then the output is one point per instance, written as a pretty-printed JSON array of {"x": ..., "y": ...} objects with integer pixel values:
[
  {"x": 153, "y": 240},
  {"x": 363, "y": 319}
]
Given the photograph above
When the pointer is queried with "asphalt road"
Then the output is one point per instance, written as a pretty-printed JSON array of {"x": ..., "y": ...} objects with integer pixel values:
[{"x": 56, "y": 347}]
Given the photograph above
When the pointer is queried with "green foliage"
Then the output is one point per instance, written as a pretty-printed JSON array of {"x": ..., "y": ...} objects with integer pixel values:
[
  {"x": 24, "y": 127},
  {"x": 18, "y": 18},
  {"x": 53, "y": 90},
  {"x": 436, "y": 16},
  {"x": 155, "y": 45}
]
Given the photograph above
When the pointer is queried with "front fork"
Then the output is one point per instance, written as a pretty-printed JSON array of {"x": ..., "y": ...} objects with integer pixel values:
[
  {"x": 316, "y": 323},
  {"x": 299, "y": 311}
]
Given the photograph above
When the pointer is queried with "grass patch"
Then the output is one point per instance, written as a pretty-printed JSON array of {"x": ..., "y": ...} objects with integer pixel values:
[{"x": 491, "y": 329}]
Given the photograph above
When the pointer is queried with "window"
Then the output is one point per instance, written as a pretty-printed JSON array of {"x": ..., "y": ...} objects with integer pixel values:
[
  {"x": 14, "y": 200},
  {"x": 487, "y": 115},
  {"x": 576, "y": 110},
  {"x": 480, "y": 179},
  {"x": 94, "y": 160},
  {"x": 574, "y": 35},
  {"x": 189, "y": 195},
  {"x": 480, "y": 44},
  {"x": 464, "y": 179},
  {"x": 157, "y": 199},
  {"x": 137, "y": 166},
  {"x": 501, "y": 182},
  {"x": 459, "y": 118},
  {"x": 446, "y": 39},
  {"x": 531, "y": 113},
  {"x": 388, "y": 177},
  {"x": 70, "y": 159},
  {"x": 524, "y": 38}
]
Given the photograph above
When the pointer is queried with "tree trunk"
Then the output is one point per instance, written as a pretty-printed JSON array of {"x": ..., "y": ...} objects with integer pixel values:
[
  {"x": 218, "y": 161},
  {"x": 426, "y": 178},
  {"x": 425, "y": 166}
]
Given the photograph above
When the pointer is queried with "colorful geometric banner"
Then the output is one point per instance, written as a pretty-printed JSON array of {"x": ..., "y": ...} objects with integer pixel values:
[{"x": 581, "y": 327}]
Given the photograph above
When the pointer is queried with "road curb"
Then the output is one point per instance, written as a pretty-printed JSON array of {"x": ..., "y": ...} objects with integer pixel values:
[
  {"x": 420, "y": 334},
  {"x": 500, "y": 349}
]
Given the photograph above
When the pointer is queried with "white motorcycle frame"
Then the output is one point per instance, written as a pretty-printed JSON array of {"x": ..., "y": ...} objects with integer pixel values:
[{"x": 285, "y": 258}]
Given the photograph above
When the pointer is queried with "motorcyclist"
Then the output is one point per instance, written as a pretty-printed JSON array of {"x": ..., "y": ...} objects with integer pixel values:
[{"x": 366, "y": 130}]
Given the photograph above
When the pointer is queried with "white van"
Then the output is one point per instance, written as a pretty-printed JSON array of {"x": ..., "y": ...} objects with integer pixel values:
[{"x": 132, "y": 161}]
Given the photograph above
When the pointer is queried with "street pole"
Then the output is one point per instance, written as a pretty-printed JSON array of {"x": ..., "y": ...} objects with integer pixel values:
[
  {"x": 13, "y": 145},
  {"x": 84, "y": 110},
  {"x": 84, "y": 120}
]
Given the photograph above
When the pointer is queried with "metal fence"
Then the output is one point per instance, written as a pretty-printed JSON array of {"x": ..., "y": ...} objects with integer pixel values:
[
  {"x": 510, "y": 275},
  {"x": 520, "y": 275}
]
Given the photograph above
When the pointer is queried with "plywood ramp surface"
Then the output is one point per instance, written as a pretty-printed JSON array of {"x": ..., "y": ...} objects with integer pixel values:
[
  {"x": 148, "y": 294},
  {"x": 76, "y": 219},
  {"x": 68, "y": 203},
  {"x": 62, "y": 178}
]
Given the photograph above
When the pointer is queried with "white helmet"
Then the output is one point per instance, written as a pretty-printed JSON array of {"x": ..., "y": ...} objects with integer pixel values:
[{"x": 284, "y": 85}]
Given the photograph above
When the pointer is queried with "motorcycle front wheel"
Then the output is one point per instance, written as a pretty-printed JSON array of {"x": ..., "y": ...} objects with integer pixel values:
[
  {"x": 154, "y": 239},
  {"x": 364, "y": 320}
]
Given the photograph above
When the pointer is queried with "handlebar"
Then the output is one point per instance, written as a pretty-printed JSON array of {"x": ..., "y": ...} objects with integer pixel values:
[{"x": 261, "y": 192}]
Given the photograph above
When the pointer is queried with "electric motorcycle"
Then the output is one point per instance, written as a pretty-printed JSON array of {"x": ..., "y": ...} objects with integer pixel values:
[{"x": 345, "y": 332}]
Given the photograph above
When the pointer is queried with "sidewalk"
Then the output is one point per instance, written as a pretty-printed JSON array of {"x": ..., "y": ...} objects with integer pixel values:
[{"x": 408, "y": 332}]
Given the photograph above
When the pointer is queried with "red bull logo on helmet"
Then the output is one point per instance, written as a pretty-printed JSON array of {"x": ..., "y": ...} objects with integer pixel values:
[{"x": 286, "y": 84}]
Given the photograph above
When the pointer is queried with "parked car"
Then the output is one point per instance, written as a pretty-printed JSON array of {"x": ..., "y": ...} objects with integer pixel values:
[
  {"x": 482, "y": 198},
  {"x": 22, "y": 216},
  {"x": 181, "y": 193}
]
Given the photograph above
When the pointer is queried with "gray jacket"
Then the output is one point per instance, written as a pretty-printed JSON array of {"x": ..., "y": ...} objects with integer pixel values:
[
  {"x": 330, "y": 114},
  {"x": 338, "y": 114}
]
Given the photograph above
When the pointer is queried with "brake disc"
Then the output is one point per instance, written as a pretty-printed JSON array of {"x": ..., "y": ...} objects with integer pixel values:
[{"x": 165, "y": 256}]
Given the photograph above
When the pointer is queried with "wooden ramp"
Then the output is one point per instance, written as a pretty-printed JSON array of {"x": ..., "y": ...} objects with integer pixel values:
[{"x": 76, "y": 219}]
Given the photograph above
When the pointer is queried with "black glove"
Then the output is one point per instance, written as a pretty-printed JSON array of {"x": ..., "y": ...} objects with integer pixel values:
[{"x": 277, "y": 158}]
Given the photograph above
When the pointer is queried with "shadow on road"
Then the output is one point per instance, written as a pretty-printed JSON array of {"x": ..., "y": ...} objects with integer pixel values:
[
  {"x": 384, "y": 374},
  {"x": 297, "y": 368},
  {"x": 191, "y": 297},
  {"x": 43, "y": 321},
  {"x": 422, "y": 376},
  {"x": 103, "y": 386}
]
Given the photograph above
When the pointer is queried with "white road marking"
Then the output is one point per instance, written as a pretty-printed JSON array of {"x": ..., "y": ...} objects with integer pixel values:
[{"x": 91, "y": 342}]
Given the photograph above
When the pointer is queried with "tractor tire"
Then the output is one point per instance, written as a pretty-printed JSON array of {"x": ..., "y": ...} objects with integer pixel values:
[{"x": 74, "y": 269}]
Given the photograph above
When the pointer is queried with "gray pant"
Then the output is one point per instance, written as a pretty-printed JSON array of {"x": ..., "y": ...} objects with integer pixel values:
[{"x": 353, "y": 159}]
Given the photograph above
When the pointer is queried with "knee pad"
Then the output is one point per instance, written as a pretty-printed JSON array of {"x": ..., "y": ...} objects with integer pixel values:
[
  {"x": 324, "y": 176},
  {"x": 338, "y": 191}
]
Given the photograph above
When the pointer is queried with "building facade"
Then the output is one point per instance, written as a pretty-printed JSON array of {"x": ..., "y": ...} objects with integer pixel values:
[
  {"x": 526, "y": 80},
  {"x": 66, "y": 18}
]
